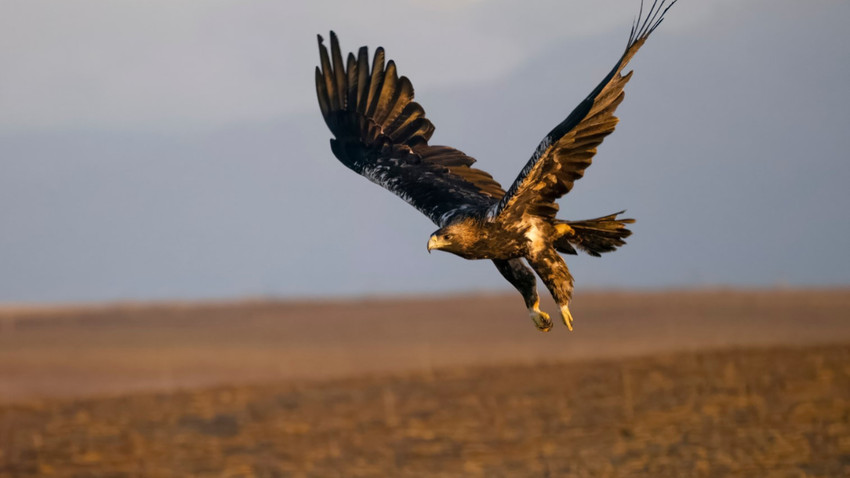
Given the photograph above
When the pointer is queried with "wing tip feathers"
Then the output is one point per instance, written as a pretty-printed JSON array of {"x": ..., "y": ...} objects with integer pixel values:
[{"x": 644, "y": 26}]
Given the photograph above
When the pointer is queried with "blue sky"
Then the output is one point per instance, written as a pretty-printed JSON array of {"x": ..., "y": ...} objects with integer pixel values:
[{"x": 153, "y": 150}]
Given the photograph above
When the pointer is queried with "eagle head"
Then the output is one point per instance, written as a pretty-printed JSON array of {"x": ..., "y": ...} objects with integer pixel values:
[{"x": 454, "y": 238}]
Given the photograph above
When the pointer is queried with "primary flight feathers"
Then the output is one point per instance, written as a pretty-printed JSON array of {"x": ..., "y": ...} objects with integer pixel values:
[
  {"x": 562, "y": 156},
  {"x": 382, "y": 134}
]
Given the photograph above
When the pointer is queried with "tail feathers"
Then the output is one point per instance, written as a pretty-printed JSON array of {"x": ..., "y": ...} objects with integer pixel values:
[{"x": 594, "y": 236}]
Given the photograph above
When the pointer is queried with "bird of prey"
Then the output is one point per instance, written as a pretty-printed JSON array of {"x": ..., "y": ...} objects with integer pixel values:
[{"x": 382, "y": 134}]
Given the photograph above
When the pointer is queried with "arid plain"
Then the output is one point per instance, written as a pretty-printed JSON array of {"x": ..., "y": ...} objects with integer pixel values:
[{"x": 678, "y": 383}]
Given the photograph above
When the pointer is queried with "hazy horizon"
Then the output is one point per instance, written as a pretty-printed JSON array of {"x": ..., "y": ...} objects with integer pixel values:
[{"x": 153, "y": 150}]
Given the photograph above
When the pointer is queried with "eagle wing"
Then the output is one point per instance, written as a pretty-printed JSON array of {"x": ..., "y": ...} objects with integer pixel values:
[
  {"x": 382, "y": 134},
  {"x": 562, "y": 156}
]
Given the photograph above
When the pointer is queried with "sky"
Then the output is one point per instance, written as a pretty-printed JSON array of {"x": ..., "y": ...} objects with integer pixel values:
[{"x": 174, "y": 150}]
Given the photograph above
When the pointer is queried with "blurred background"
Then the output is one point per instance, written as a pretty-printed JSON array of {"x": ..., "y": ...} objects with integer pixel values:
[{"x": 171, "y": 150}]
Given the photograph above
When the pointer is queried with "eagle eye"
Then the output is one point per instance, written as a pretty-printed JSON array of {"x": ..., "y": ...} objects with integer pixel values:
[{"x": 446, "y": 237}]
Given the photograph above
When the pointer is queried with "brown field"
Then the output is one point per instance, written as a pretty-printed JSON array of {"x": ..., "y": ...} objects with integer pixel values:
[{"x": 703, "y": 383}]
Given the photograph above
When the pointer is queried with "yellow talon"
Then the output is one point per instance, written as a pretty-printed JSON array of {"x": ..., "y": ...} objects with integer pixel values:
[
  {"x": 540, "y": 318},
  {"x": 567, "y": 316}
]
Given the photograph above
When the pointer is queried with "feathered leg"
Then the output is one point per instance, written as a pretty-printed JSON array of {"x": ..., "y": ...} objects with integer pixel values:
[
  {"x": 521, "y": 277},
  {"x": 554, "y": 273}
]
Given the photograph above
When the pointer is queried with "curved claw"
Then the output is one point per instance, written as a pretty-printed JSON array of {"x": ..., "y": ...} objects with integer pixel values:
[
  {"x": 541, "y": 320},
  {"x": 567, "y": 317}
]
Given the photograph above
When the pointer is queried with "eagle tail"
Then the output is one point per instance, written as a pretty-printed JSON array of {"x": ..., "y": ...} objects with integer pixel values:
[{"x": 593, "y": 236}]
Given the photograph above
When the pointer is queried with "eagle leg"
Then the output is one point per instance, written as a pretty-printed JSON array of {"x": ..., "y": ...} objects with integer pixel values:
[
  {"x": 522, "y": 278},
  {"x": 554, "y": 273}
]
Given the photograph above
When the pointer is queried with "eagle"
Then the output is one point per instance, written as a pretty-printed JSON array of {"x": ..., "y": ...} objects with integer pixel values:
[{"x": 382, "y": 134}]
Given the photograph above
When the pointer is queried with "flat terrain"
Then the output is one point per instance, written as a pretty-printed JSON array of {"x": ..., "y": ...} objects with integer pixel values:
[
  {"x": 710, "y": 383},
  {"x": 97, "y": 350}
]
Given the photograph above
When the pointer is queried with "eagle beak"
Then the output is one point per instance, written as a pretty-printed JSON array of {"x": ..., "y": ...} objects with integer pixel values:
[{"x": 436, "y": 242}]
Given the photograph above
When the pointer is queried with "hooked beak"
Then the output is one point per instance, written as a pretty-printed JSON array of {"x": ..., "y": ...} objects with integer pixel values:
[
  {"x": 435, "y": 242},
  {"x": 432, "y": 243}
]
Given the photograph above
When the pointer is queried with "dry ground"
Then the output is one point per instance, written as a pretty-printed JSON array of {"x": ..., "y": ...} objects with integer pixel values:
[{"x": 716, "y": 383}]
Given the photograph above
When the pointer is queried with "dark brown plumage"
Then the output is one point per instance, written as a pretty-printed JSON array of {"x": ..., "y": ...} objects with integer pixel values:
[{"x": 382, "y": 134}]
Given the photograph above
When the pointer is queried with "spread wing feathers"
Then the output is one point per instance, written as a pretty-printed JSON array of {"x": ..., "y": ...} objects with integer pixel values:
[
  {"x": 382, "y": 134},
  {"x": 562, "y": 156}
]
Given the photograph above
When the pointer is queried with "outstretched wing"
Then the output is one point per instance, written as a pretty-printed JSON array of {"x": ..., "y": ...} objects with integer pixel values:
[
  {"x": 382, "y": 134},
  {"x": 563, "y": 155}
]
